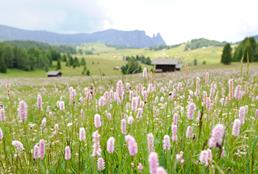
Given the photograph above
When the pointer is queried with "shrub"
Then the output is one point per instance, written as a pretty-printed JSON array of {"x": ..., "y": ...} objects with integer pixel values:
[
  {"x": 132, "y": 67},
  {"x": 195, "y": 62}
]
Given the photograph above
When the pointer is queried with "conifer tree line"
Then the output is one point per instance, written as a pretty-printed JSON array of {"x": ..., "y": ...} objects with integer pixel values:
[
  {"x": 247, "y": 50},
  {"x": 28, "y": 56}
]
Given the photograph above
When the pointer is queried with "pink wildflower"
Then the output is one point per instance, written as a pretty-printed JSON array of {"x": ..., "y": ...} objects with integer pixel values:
[
  {"x": 101, "y": 164},
  {"x": 97, "y": 121},
  {"x": 22, "y": 110},
  {"x": 174, "y": 132},
  {"x": 230, "y": 88},
  {"x": 39, "y": 102},
  {"x": 140, "y": 167},
  {"x": 242, "y": 113},
  {"x": 2, "y": 114},
  {"x": 175, "y": 118},
  {"x": 96, "y": 144},
  {"x": 217, "y": 136},
  {"x": 153, "y": 162},
  {"x": 150, "y": 142},
  {"x": 189, "y": 132},
  {"x": 18, "y": 145},
  {"x": 36, "y": 151},
  {"x": 1, "y": 135},
  {"x": 190, "y": 110},
  {"x": 161, "y": 170},
  {"x": 82, "y": 134},
  {"x": 236, "y": 128},
  {"x": 166, "y": 143},
  {"x": 180, "y": 157},
  {"x": 237, "y": 94},
  {"x": 120, "y": 89},
  {"x": 205, "y": 157},
  {"x": 42, "y": 148},
  {"x": 123, "y": 126},
  {"x": 132, "y": 145},
  {"x": 67, "y": 153},
  {"x": 111, "y": 145},
  {"x": 61, "y": 105}
]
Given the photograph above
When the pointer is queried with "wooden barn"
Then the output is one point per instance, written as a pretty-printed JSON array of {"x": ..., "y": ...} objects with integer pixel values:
[
  {"x": 166, "y": 65},
  {"x": 54, "y": 74}
]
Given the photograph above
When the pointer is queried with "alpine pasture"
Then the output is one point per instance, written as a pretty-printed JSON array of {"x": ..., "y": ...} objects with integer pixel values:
[{"x": 101, "y": 59}]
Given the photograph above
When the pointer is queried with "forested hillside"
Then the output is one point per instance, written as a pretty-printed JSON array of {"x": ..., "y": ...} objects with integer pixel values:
[{"x": 28, "y": 56}]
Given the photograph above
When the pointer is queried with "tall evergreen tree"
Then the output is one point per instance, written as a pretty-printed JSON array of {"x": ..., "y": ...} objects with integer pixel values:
[
  {"x": 76, "y": 62},
  {"x": 3, "y": 67},
  {"x": 58, "y": 66},
  {"x": 83, "y": 62},
  {"x": 226, "y": 57},
  {"x": 84, "y": 70},
  {"x": 246, "y": 49},
  {"x": 71, "y": 61},
  {"x": 64, "y": 58}
]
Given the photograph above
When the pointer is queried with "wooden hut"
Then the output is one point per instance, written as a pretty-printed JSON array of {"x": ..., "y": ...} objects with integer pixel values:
[
  {"x": 166, "y": 65},
  {"x": 54, "y": 74}
]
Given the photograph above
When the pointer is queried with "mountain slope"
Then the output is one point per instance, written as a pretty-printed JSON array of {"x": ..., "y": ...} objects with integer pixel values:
[{"x": 136, "y": 38}]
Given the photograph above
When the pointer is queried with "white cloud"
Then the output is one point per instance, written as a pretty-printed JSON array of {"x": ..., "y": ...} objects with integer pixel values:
[
  {"x": 55, "y": 15},
  {"x": 182, "y": 20}
]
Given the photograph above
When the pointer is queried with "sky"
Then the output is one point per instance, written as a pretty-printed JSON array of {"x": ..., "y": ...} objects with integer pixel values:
[{"x": 176, "y": 20}]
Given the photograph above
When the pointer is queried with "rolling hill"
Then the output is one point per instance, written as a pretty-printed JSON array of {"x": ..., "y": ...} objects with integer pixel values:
[
  {"x": 202, "y": 43},
  {"x": 134, "y": 39}
]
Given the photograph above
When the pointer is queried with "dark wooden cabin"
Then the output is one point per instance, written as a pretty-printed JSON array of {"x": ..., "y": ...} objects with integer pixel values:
[
  {"x": 54, "y": 74},
  {"x": 166, "y": 65}
]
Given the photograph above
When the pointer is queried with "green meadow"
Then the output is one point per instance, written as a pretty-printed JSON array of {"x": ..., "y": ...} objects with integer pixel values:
[{"x": 102, "y": 59}]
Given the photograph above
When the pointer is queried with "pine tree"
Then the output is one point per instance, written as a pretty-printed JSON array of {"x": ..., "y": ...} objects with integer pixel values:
[
  {"x": 84, "y": 70},
  {"x": 3, "y": 67},
  {"x": 88, "y": 73},
  {"x": 76, "y": 62},
  {"x": 64, "y": 58},
  {"x": 58, "y": 66},
  {"x": 195, "y": 62},
  {"x": 247, "y": 48},
  {"x": 83, "y": 62},
  {"x": 71, "y": 61},
  {"x": 226, "y": 56}
]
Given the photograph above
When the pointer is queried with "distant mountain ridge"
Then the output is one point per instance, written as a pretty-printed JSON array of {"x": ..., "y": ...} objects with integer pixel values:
[{"x": 136, "y": 38}]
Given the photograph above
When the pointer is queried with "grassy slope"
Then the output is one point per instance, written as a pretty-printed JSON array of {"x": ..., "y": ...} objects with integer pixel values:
[
  {"x": 105, "y": 58},
  {"x": 211, "y": 54}
]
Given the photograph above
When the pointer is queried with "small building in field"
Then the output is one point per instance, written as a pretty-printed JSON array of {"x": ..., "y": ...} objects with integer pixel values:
[
  {"x": 117, "y": 68},
  {"x": 178, "y": 66},
  {"x": 166, "y": 65},
  {"x": 54, "y": 74}
]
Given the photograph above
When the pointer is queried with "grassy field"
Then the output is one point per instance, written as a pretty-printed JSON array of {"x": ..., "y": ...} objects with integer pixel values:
[
  {"x": 104, "y": 67},
  {"x": 210, "y": 54},
  {"x": 42, "y": 119},
  {"x": 103, "y": 59}
]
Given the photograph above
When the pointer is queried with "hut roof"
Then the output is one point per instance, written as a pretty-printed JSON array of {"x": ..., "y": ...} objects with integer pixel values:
[
  {"x": 179, "y": 65},
  {"x": 53, "y": 73},
  {"x": 164, "y": 61}
]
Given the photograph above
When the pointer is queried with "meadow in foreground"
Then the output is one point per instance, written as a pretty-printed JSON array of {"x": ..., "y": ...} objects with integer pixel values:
[{"x": 200, "y": 123}]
